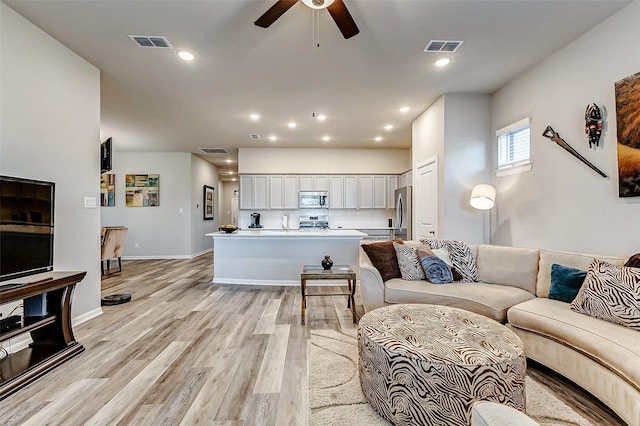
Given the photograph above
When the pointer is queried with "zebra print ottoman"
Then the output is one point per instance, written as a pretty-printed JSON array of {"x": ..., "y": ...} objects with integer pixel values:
[{"x": 428, "y": 364}]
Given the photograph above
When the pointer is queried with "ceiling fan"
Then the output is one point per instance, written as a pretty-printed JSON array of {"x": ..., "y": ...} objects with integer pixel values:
[{"x": 336, "y": 8}]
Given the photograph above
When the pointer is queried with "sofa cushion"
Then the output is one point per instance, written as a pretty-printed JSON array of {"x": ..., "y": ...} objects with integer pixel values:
[
  {"x": 578, "y": 261},
  {"x": 565, "y": 282},
  {"x": 408, "y": 262},
  {"x": 490, "y": 300},
  {"x": 517, "y": 267},
  {"x": 383, "y": 257},
  {"x": 612, "y": 345},
  {"x": 611, "y": 293}
]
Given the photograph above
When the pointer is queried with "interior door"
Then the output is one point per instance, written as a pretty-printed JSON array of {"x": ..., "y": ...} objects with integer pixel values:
[
  {"x": 234, "y": 211},
  {"x": 426, "y": 200}
]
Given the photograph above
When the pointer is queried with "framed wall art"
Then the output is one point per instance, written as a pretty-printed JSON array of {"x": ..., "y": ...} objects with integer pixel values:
[
  {"x": 628, "y": 127},
  {"x": 207, "y": 203},
  {"x": 142, "y": 190},
  {"x": 107, "y": 190}
]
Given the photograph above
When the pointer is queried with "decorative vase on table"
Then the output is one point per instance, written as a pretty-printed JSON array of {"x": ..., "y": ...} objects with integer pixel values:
[{"x": 327, "y": 263}]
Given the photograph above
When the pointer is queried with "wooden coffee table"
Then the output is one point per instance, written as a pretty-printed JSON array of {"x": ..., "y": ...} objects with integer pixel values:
[{"x": 337, "y": 272}]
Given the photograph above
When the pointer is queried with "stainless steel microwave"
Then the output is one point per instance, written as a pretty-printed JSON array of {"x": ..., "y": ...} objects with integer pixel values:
[{"x": 314, "y": 200}]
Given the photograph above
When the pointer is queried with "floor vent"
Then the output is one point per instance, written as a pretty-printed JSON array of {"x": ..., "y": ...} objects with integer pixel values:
[
  {"x": 439, "y": 46},
  {"x": 214, "y": 150},
  {"x": 254, "y": 136},
  {"x": 151, "y": 41}
]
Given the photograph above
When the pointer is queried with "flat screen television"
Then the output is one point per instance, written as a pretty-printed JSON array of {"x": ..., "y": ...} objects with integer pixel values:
[
  {"x": 26, "y": 227},
  {"x": 105, "y": 156}
]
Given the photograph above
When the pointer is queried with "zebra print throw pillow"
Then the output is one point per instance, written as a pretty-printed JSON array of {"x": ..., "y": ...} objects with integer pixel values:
[
  {"x": 461, "y": 257},
  {"x": 611, "y": 293},
  {"x": 409, "y": 264}
]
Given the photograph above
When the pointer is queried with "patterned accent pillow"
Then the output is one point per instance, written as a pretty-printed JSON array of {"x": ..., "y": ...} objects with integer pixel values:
[
  {"x": 611, "y": 293},
  {"x": 461, "y": 257},
  {"x": 409, "y": 264}
]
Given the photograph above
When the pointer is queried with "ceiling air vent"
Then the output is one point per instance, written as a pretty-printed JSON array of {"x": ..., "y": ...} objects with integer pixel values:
[
  {"x": 439, "y": 46},
  {"x": 214, "y": 150},
  {"x": 254, "y": 136},
  {"x": 151, "y": 41}
]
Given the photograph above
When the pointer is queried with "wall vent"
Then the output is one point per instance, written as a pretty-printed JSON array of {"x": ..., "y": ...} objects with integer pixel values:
[
  {"x": 214, "y": 150},
  {"x": 254, "y": 136},
  {"x": 151, "y": 41},
  {"x": 438, "y": 46}
]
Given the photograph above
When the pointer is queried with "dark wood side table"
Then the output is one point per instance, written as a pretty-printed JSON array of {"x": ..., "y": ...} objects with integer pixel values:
[
  {"x": 337, "y": 272},
  {"x": 52, "y": 334}
]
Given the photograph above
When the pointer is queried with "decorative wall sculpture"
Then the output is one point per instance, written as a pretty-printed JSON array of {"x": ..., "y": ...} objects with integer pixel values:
[
  {"x": 142, "y": 190},
  {"x": 628, "y": 119}
]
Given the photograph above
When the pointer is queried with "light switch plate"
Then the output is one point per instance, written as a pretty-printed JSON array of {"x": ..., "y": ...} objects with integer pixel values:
[{"x": 90, "y": 203}]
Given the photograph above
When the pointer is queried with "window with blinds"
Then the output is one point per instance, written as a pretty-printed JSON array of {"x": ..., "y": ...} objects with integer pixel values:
[{"x": 514, "y": 145}]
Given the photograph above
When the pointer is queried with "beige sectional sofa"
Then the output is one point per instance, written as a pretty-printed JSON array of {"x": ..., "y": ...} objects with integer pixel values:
[{"x": 601, "y": 357}]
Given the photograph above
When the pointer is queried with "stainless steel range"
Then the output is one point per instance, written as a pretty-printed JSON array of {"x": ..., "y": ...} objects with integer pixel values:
[{"x": 320, "y": 221}]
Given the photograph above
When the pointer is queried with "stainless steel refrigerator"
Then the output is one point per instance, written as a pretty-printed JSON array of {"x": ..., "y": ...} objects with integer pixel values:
[{"x": 402, "y": 225}]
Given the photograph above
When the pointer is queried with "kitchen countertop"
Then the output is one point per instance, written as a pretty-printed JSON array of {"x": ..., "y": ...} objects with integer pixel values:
[{"x": 294, "y": 233}]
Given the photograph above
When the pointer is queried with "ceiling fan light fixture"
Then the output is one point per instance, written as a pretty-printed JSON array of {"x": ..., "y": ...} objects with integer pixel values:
[{"x": 318, "y": 4}]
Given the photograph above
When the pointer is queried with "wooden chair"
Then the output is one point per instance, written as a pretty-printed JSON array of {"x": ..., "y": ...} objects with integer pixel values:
[{"x": 112, "y": 242}]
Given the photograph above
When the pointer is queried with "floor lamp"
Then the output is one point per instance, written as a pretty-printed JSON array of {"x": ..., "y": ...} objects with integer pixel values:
[{"x": 483, "y": 197}]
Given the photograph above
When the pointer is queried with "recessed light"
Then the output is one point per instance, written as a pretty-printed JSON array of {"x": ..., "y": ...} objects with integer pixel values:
[
  {"x": 254, "y": 116},
  {"x": 234, "y": 179},
  {"x": 229, "y": 161},
  {"x": 378, "y": 138},
  {"x": 404, "y": 109},
  {"x": 326, "y": 138},
  {"x": 322, "y": 117},
  {"x": 442, "y": 62},
  {"x": 292, "y": 124},
  {"x": 185, "y": 55},
  {"x": 388, "y": 127},
  {"x": 273, "y": 138}
]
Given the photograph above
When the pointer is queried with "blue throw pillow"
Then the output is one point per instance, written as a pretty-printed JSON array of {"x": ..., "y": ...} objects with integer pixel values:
[
  {"x": 565, "y": 282},
  {"x": 435, "y": 269}
]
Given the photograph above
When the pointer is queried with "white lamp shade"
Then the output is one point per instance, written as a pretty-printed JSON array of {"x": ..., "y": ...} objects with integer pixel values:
[
  {"x": 318, "y": 4},
  {"x": 483, "y": 197}
]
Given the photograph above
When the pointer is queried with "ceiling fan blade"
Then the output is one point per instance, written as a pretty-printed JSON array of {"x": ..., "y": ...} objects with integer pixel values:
[
  {"x": 274, "y": 12},
  {"x": 343, "y": 19}
]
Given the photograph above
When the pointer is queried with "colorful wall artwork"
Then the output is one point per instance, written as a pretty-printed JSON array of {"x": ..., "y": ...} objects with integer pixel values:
[
  {"x": 107, "y": 190},
  {"x": 142, "y": 190},
  {"x": 628, "y": 119}
]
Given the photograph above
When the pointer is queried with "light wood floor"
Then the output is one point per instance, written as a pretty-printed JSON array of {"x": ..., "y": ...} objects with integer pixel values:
[{"x": 184, "y": 351}]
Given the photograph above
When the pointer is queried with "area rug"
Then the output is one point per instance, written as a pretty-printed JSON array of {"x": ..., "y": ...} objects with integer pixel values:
[{"x": 335, "y": 397}]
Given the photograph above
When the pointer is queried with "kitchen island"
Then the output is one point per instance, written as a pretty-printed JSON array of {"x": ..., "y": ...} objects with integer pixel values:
[{"x": 276, "y": 257}]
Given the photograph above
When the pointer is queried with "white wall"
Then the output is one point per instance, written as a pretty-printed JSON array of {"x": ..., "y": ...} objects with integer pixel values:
[
  {"x": 203, "y": 173},
  {"x": 50, "y": 116},
  {"x": 562, "y": 204},
  {"x": 456, "y": 130},
  {"x": 324, "y": 161}
]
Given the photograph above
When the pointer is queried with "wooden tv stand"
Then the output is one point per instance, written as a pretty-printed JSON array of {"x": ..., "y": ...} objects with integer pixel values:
[{"x": 52, "y": 335}]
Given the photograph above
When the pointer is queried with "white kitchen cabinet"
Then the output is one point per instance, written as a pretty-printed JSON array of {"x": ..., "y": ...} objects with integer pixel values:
[
  {"x": 365, "y": 192},
  {"x": 246, "y": 192},
  {"x": 392, "y": 185},
  {"x": 314, "y": 182},
  {"x": 283, "y": 192},
  {"x": 291, "y": 192},
  {"x": 406, "y": 179},
  {"x": 350, "y": 192},
  {"x": 379, "y": 192},
  {"x": 372, "y": 192},
  {"x": 254, "y": 192},
  {"x": 336, "y": 192}
]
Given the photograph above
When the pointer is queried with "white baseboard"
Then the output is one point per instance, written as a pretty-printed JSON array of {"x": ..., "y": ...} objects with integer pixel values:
[
  {"x": 86, "y": 316},
  {"x": 168, "y": 257}
]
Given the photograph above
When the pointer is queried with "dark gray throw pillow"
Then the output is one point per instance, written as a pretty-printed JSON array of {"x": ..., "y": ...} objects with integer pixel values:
[{"x": 565, "y": 282}]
